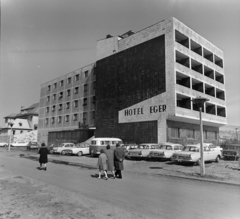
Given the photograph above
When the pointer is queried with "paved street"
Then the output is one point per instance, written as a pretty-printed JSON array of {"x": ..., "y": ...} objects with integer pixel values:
[{"x": 137, "y": 195}]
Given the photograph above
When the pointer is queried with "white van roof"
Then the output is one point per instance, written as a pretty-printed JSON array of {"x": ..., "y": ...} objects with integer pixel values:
[{"x": 106, "y": 139}]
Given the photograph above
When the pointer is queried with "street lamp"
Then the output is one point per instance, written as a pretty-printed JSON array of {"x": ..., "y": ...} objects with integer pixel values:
[
  {"x": 11, "y": 124},
  {"x": 199, "y": 101}
]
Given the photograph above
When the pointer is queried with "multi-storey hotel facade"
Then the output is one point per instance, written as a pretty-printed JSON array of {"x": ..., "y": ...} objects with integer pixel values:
[
  {"x": 67, "y": 107},
  {"x": 146, "y": 80},
  {"x": 144, "y": 83}
]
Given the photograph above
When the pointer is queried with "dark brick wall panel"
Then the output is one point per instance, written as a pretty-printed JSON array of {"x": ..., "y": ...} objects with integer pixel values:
[{"x": 127, "y": 78}]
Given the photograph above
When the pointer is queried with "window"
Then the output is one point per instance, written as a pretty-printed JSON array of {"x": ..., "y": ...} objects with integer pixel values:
[
  {"x": 67, "y": 105},
  {"x": 47, "y": 110},
  {"x": 55, "y": 85},
  {"x": 69, "y": 80},
  {"x": 59, "y": 119},
  {"x": 68, "y": 92},
  {"x": 175, "y": 132},
  {"x": 84, "y": 117},
  {"x": 54, "y": 96},
  {"x": 94, "y": 85},
  {"x": 94, "y": 100},
  {"x": 77, "y": 77},
  {"x": 75, "y": 103},
  {"x": 86, "y": 74},
  {"x": 85, "y": 87},
  {"x": 67, "y": 118},
  {"x": 60, "y": 95},
  {"x": 93, "y": 114},
  {"x": 75, "y": 117},
  {"x": 190, "y": 133},
  {"x": 48, "y": 98},
  {"x": 61, "y": 83},
  {"x": 204, "y": 134},
  {"x": 20, "y": 124},
  {"x": 84, "y": 101},
  {"x": 60, "y": 107},
  {"x": 53, "y": 120},
  {"x": 53, "y": 108},
  {"x": 76, "y": 90},
  {"x": 49, "y": 87},
  {"x": 46, "y": 121}
]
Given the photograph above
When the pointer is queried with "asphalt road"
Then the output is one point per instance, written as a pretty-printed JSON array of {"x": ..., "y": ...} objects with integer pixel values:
[{"x": 144, "y": 196}]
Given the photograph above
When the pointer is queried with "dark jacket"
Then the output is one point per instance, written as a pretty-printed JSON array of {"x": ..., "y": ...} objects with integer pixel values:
[
  {"x": 119, "y": 156},
  {"x": 43, "y": 151}
]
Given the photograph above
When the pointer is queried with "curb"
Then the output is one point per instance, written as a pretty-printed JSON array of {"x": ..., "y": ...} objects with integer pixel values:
[{"x": 158, "y": 174}]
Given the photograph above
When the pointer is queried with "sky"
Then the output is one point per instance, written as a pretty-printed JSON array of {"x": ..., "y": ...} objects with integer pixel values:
[{"x": 44, "y": 39}]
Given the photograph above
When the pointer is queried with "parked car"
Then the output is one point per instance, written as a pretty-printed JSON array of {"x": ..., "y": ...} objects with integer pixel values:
[
  {"x": 191, "y": 154},
  {"x": 142, "y": 151},
  {"x": 79, "y": 150},
  {"x": 20, "y": 144},
  {"x": 63, "y": 146},
  {"x": 32, "y": 145},
  {"x": 3, "y": 144},
  {"x": 165, "y": 151},
  {"x": 231, "y": 151}
]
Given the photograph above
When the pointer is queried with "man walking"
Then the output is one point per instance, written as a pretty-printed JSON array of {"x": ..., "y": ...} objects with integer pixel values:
[{"x": 119, "y": 156}]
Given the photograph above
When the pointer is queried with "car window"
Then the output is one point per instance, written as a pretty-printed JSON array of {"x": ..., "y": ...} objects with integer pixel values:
[
  {"x": 102, "y": 142},
  {"x": 163, "y": 147},
  {"x": 176, "y": 148},
  {"x": 94, "y": 142},
  {"x": 168, "y": 147}
]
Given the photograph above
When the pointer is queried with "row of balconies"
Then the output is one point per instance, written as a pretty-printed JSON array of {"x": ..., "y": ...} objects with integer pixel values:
[
  {"x": 184, "y": 101},
  {"x": 198, "y": 67},
  {"x": 198, "y": 49},
  {"x": 197, "y": 85}
]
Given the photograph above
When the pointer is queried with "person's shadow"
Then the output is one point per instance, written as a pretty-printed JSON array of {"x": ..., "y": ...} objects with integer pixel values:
[
  {"x": 94, "y": 176},
  {"x": 39, "y": 168}
]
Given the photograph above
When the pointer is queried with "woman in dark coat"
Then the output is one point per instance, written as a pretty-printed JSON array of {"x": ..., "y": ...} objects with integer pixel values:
[
  {"x": 119, "y": 156},
  {"x": 110, "y": 162},
  {"x": 43, "y": 159}
]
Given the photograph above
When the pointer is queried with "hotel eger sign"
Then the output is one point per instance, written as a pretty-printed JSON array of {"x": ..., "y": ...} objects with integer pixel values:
[{"x": 148, "y": 110}]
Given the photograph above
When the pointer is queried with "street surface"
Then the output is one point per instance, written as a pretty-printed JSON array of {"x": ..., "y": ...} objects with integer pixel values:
[{"x": 72, "y": 192}]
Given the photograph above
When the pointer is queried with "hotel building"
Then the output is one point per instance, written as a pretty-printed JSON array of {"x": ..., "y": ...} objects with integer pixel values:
[{"x": 141, "y": 88}]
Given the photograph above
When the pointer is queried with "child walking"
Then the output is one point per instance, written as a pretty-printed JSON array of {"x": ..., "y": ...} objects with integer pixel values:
[{"x": 102, "y": 164}]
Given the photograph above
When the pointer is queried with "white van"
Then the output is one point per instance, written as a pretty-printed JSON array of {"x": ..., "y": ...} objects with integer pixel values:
[{"x": 101, "y": 143}]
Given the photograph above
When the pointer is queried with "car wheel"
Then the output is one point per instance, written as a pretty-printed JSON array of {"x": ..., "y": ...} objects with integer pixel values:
[
  {"x": 63, "y": 153},
  {"x": 80, "y": 153},
  {"x": 217, "y": 159},
  {"x": 198, "y": 163}
]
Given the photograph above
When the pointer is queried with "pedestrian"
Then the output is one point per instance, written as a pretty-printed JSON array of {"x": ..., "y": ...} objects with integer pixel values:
[
  {"x": 43, "y": 159},
  {"x": 110, "y": 162},
  {"x": 119, "y": 156},
  {"x": 102, "y": 164}
]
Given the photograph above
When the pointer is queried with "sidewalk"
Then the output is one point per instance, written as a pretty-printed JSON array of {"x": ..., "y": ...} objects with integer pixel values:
[{"x": 227, "y": 172}]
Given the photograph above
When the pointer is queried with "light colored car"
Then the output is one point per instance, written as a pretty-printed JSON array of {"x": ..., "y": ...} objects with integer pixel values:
[
  {"x": 165, "y": 151},
  {"x": 191, "y": 154},
  {"x": 79, "y": 150},
  {"x": 33, "y": 145},
  {"x": 3, "y": 144},
  {"x": 64, "y": 146},
  {"x": 20, "y": 144},
  {"x": 143, "y": 150}
]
